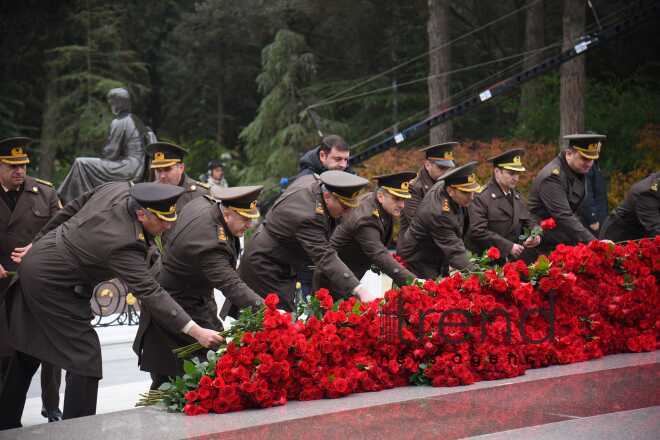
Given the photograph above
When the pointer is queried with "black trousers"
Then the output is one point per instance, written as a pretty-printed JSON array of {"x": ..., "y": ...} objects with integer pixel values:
[
  {"x": 51, "y": 379},
  {"x": 79, "y": 396}
]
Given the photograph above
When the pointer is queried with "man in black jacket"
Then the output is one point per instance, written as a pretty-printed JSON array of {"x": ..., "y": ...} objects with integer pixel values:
[{"x": 331, "y": 154}]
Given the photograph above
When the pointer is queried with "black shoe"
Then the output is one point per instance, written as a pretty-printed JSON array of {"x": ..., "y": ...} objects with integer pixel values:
[{"x": 53, "y": 415}]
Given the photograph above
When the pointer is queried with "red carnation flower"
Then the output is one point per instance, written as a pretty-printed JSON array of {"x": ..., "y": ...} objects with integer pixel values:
[
  {"x": 493, "y": 253},
  {"x": 548, "y": 224},
  {"x": 205, "y": 381},
  {"x": 272, "y": 301},
  {"x": 191, "y": 396}
]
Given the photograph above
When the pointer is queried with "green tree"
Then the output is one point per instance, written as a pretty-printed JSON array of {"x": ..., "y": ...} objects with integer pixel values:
[
  {"x": 276, "y": 137},
  {"x": 76, "y": 116}
]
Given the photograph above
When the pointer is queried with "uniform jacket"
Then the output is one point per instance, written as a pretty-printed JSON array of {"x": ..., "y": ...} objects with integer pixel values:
[
  {"x": 295, "y": 234},
  {"x": 638, "y": 215},
  {"x": 434, "y": 239},
  {"x": 496, "y": 220},
  {"x": 94, "y": 238},
  {"x": 194, "y": 189},
  {"x": 361, "y": 241},
  {"x": 201, "y": 255},
  {"x": 35, "y": 206},
  {"x": 558, "y": 192},
  {"x": 419, "y": 186},
  {"x": 594, "y": 207}
]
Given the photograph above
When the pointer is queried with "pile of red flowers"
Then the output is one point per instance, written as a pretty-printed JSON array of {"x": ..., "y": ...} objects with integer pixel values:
[{"x": 582, "y": 302}]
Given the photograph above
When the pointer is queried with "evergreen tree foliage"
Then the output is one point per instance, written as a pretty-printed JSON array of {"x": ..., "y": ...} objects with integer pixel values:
[
  {"x": 276, "y": 137},
  {"x": 85, "y": 71}
]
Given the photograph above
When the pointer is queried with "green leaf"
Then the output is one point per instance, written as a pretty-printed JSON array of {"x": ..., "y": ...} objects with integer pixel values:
[
  {"x": 188, "y": 368},
  {"x": 166, "y": 386}
]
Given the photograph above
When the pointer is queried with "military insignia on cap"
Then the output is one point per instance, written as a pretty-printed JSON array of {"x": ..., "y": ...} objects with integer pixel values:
[
  {"x": 18, "y": 151},
  {"x": 445, "y": 206},
  {"x": 555, "y": 171},
  {"x": 221, "y": 233},
  {"x": 595, "y": 147},
  {"x": 159, "y": 155}
]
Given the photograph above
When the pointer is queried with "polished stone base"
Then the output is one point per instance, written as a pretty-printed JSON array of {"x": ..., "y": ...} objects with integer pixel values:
[{"x": 614, "y": 397}]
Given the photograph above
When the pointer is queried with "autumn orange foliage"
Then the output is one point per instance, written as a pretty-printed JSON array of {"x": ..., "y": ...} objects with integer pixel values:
[
  {"x": 620, "y": 183},
  {"x": 536, "y": 156}
]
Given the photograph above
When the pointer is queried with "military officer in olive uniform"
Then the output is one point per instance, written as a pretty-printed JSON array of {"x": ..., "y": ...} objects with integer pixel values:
[
  {"x": 166, "y": 162},
  {"x": 201, "y": 255},
  {"x": 26, "y": 205},
  {"x": 296, "y": 233},
  {"x": 498, "y": 215},
  {"x": 434, "y": 241},
  {"x": 362, "y": 238},
  {"x": 558, "y": 191},
  {"x": 439, "y": 159},
  {"x": 638, "y": 216},
  {"x": 102, "y": 234}
]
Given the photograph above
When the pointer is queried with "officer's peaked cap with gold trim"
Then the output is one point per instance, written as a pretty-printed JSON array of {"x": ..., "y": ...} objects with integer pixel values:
[
  {"x": 587, "y": 144},
  {"x": 158, "y": 198},
  {"x": 165, "y": 154},
  {"x": 442, "y": 154},
  {"x": 241, "y": 199},
  {"x": 13, "y": 150},
  {"x": 509, "y": 160},
  {"x": 462, "y": 178},
  {"x": 396, "y": 184},
  {"x": 345, "y": 186}
]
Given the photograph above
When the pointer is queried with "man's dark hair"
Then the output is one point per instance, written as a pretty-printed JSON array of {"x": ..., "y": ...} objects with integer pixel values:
[{"x": 333, "y": 141}]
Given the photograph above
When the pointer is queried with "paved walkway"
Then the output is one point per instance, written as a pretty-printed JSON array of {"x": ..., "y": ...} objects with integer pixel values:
[{"x": 121, "y": 383}]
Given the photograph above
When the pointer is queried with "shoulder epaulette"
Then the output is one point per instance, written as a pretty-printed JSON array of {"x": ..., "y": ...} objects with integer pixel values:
[
  {"x": 44, "y": 182},
  {"x": 204, "y": 185},
  {"x": 445, "y": 206},
  {"x": 555, "y": 171},
  {"x": 221, "y": 233},
  {"x": 210, "y": 198}
]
